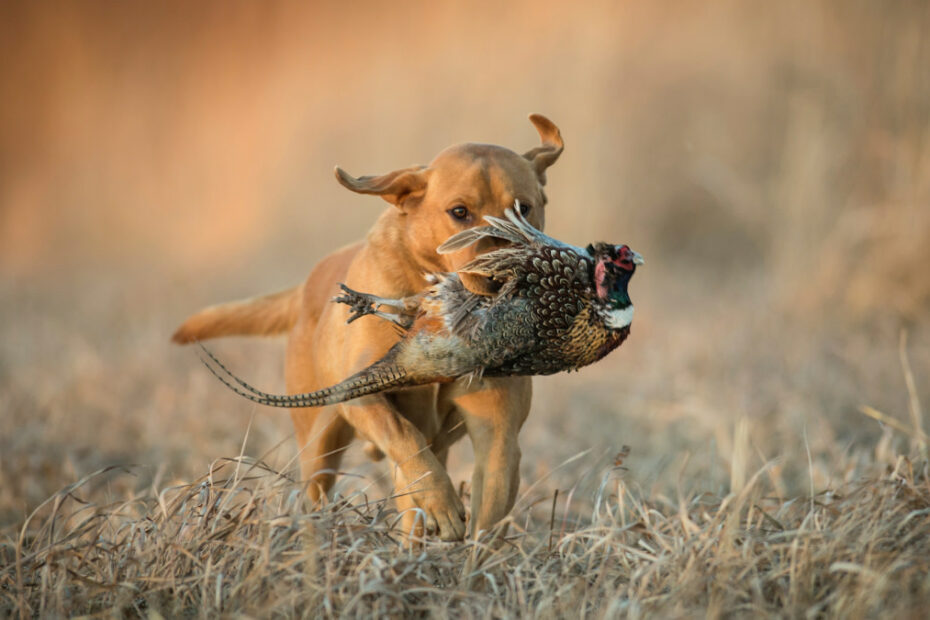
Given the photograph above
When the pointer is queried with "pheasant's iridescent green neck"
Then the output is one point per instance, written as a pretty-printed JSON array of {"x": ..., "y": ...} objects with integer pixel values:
[{"x": 619, "y": 295}]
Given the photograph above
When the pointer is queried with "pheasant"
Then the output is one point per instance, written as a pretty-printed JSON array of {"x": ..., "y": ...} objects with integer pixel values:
[{"x": 556, "y": 308}]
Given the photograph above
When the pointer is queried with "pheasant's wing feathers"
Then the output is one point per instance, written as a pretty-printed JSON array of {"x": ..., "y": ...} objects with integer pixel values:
[
  {"x": 467, "y": 314},
  {"x": 515, "y": 229},
  {"x": 458, "y": 307},
  {"x": 462, "y": 317},
  {"x": 502, "y": 263},
  {"x": 518, "y": 227},
  {"x": 473, "y": 235},
  {"x": 532, "y": 234},
  {"x": 497, "y": 264}
]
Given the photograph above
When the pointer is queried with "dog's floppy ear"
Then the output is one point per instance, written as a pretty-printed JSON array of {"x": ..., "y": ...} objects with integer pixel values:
[
  {"x": 393, "y": 186},
  {"x": 544, "y": 156}
]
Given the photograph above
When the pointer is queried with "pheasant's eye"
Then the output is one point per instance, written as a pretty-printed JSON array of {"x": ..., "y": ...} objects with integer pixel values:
[
  {"x": 525, "y": 208},
  {"x": 459, "y": 212},
  {"x": 626, "y": 258}
]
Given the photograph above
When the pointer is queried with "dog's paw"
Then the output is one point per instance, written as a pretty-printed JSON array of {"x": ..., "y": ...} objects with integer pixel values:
[
  {"x": 448, "y": 522},
  {"x": 442, "y": 510}
]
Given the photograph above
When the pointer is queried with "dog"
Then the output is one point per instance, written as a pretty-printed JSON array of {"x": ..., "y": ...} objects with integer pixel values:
[{"x": 413, "y": 427}]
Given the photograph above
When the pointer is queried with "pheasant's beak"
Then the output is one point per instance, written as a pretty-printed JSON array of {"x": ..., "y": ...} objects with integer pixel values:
[{"x": 637, "y": 258}]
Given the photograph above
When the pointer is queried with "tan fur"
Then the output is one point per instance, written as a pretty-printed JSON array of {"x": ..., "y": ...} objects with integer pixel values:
[
  {"x": 414, "y": 427},
  {"x": 259, "y": 316}
]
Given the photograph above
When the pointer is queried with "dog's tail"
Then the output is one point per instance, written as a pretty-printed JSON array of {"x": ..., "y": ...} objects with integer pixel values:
[{"x": 258, "y": 316}]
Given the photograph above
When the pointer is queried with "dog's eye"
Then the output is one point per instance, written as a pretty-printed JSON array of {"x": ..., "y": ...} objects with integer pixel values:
[
  {"x": 459, "y": 212},
  {"x": 525, "y": 208}
]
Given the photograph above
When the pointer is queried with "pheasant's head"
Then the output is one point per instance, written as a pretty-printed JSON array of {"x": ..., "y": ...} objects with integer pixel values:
[{"x": 614, "y": 265}]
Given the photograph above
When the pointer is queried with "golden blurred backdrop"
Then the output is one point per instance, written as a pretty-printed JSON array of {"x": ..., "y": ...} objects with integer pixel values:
[{"x": 177, "y": 135}]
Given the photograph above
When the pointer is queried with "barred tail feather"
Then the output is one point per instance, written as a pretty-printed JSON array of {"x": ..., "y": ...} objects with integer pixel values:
[{"x": 380, "y": 376}]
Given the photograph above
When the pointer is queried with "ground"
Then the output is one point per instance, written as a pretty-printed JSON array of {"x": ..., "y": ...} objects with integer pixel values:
[{"x": 729, "y": 469}]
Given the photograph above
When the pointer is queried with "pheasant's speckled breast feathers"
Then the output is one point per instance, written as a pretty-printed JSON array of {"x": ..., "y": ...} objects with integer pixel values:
[{"x": 557, "y": 306}]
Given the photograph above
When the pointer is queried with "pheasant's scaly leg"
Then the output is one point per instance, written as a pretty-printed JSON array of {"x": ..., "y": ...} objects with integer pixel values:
[
  {"x": 363, "y": 304},
  {"x": 399, "y": 320}
]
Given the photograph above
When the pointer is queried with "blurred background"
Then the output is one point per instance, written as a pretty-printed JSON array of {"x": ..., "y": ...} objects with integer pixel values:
[{"x": 770, "y": 160}]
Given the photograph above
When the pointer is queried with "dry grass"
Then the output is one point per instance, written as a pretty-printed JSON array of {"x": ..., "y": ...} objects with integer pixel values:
[
  {"x": 771, "y": 162},
  {"x": 754, "y": 485},
  {"x": 239, "y": 540}
]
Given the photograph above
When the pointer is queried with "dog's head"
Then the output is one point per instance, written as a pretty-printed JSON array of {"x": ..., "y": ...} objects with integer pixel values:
[{"x": 458, "y": 188}]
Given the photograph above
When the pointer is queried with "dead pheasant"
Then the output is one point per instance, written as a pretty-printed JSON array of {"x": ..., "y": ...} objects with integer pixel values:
[{"x": 556, "y": 307}]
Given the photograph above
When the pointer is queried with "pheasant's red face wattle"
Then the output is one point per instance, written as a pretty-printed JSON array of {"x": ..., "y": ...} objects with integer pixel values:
[
  {"x": 626, "y": 258},
  {"x": 600, "y": 271}
]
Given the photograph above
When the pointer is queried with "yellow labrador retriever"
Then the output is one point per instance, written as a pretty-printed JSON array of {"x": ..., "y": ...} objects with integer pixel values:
[{"x": 413, "y": 427}]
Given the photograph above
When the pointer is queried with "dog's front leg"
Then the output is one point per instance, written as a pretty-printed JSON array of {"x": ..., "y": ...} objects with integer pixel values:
[
  {"x": 493, "y": 415},
  {"x": 419, "y": 477}
]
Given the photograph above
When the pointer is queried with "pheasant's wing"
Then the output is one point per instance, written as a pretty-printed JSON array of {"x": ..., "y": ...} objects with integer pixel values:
[
  {"x": 500, "y": 325},
  {"x": 499, "y": 265},
  {"x": 514, "y": 229},
  {"x": 458, "y": 307},
  {"x": 517, "y": 226},
  {"x": 473, "y": 235},
  {"x": 502, "y": 263}
]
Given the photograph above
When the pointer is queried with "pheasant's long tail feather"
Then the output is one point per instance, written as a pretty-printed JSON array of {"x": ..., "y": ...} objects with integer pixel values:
[{"x": 380, "y": 376}]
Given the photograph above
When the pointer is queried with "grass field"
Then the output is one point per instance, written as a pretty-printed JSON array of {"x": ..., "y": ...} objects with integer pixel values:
[{"x": 756, "y": 448}]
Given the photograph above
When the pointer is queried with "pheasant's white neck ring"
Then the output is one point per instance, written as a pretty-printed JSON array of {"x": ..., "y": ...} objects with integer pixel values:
[{"x": 618, "y": 318}]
